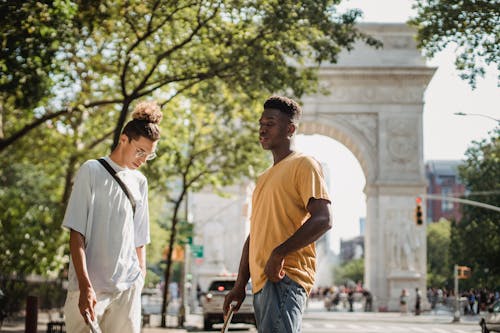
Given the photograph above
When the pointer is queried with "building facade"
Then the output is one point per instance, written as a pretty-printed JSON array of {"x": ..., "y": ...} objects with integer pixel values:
[{"x": 443, "y": 179}]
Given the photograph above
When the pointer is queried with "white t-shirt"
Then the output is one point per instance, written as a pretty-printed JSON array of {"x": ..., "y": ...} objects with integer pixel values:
[{"x": 100, "y": 210}]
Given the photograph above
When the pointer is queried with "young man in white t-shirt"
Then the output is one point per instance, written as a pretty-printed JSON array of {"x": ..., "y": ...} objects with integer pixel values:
[{"x": 108, "y": 233}]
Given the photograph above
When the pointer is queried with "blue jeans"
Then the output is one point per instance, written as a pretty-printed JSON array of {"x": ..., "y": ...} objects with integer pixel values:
[{"x": 279, "y": 307}]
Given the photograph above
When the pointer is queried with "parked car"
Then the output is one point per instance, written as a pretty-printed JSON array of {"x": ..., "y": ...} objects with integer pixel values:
[
  {"x": 213, "y": 300},
  {"x": 491, "y": 321}
]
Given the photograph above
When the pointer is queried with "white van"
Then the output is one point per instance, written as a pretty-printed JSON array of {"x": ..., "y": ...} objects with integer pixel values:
[{"x": 213, "y": 300}]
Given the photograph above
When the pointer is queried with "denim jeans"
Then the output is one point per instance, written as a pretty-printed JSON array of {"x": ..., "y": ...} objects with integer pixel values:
[{"x": 279, "y": 307}]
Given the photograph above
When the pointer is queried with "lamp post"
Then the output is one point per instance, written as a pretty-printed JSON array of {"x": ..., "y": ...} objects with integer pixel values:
[
  {"x": 476, "y": 114},
  {"x": 456, "y": 313}
]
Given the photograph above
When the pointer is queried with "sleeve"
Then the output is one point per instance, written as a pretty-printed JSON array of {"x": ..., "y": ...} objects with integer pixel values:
[
  {"x": 310, "y": 181},
  {"x": 78, "y": 208},
  {"x": 141, "y": 218}
]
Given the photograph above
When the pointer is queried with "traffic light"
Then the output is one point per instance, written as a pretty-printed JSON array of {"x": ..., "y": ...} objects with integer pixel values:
[
  {"x": 418, "y": 212},
  {"x": 463, "y": 272}
]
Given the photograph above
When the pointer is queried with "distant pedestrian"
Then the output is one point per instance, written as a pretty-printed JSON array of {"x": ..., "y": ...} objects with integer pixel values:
[
  {"x": 403, "y": 302},
  {"x": 418, "y": 300},
  {"x": 350, "y": 299},
  {"x": 368, "y": 300}
]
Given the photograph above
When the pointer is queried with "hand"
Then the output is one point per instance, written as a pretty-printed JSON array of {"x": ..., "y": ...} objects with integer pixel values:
[
  {"x": 235, "y": 295},
  {"x": 86, "y": 303},
  {"x": 274, "y": 267}
]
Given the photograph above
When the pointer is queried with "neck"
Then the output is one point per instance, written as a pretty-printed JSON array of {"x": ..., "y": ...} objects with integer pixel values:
[
  {"x": 117, "y": 157},
  {"x": 279, "y": 155}
]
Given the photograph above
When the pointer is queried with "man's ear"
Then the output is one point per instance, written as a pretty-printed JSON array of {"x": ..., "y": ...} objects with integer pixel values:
[
  {"x": 291, "y": 129},
  {"x": 123, "y": 138}
]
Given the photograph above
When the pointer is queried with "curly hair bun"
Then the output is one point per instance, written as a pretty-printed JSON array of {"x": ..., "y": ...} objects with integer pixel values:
[{"x": 149, "y": 111}]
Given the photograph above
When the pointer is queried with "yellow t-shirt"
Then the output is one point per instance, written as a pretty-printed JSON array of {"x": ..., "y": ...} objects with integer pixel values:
[{"x": 279, "y": 208}]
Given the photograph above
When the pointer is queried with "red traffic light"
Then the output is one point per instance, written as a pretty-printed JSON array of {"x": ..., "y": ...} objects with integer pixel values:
[{"x": 419, "y": 215}]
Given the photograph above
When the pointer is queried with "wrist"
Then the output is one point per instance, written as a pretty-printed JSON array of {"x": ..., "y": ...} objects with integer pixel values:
[
  {"x": 279, "y": 252},
  {"x": 85, "y": 285}
]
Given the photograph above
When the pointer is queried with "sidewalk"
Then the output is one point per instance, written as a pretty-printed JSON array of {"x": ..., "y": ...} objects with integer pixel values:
[{"x": 316, "y": 309}]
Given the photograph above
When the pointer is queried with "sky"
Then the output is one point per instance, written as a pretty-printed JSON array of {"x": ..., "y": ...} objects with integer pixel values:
[{"x": 446, "y": 136}]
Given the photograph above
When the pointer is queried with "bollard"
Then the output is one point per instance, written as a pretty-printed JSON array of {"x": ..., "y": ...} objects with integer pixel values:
[{"x": 31, "y": 322}]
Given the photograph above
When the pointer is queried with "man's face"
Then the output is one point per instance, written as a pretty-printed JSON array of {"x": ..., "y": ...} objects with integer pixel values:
[
  {"x": 275, "y": 129},
  {"x": 136, "y": 152}
]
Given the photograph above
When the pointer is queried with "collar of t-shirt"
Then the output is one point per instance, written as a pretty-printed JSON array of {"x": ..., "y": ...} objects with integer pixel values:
[{"x": 115, "y": 166}]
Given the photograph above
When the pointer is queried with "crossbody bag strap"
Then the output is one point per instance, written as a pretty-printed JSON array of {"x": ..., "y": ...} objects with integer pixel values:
[{"x": 124, "y": 187}]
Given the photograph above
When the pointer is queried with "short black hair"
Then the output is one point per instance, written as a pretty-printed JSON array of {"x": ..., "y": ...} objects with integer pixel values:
[{"x": 286, "y": 105}]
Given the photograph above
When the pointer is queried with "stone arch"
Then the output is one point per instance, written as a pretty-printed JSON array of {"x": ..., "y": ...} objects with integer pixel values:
[
  {"x": 351, "y": 137},
  {"x": 372, "y": 103}
]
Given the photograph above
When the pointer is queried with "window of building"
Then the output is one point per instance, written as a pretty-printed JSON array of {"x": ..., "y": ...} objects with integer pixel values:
[{"x": 446, "y": 205}]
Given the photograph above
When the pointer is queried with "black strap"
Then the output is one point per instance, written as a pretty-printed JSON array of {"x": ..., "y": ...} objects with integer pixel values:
[{"x": 120, "y": 182}]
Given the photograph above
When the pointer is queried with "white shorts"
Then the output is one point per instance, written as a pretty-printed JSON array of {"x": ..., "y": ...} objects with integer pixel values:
[{"x": 116, "y": 313}]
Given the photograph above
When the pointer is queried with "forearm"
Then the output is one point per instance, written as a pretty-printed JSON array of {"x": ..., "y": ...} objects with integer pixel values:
[
  {"x": 309, "y": 232},
  {"x": 141, "y": 255},
  {"x": 244, "y": 268},
  {"x": 77, "y": 251}
]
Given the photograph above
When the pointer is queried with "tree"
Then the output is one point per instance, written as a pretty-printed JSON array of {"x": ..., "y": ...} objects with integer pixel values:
[
  {"x": 472, "y": 25},
  {"x": 34, "y": 35},
  {"x": 31, "y": 33},
  {"x": 350, "y": 272},
  {"x": 162, "y": 47},
  {"x": 439, "y": 268},
  {"x": 477, "y": 235}
]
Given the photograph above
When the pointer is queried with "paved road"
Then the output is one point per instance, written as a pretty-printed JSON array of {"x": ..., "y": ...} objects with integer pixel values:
[{"x": 317, "y": 320}]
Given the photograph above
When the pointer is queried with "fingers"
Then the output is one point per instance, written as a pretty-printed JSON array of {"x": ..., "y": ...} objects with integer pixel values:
[
  {"x": 88, "y": 314},
  {"x": 88, "y": 318},
  {"x": 232, "y": 308},
  {"x": 236, "y": 306},
  {"x": 274, "y": 270},
  {"x": 231, "y": 301},
  {"x": 86, "y": 305},
  {"x": 227, "y": 302}
]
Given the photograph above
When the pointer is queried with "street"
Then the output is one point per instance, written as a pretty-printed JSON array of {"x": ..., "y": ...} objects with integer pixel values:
[{"x": 318, "y": 320}]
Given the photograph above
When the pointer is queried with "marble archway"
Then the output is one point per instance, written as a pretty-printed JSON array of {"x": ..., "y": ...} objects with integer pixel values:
[{"x": 374, "y": 105}]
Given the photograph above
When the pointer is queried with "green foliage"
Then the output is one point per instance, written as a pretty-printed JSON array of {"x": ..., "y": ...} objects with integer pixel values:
[
  {"x": 439, "y": 268},
  {"x": 31, "y": 33},
  {"x": 350, "y": 272},
  {"x": 472, "y": 25},
  {"x": 30, "y": 222},
  {"x": 119, "y": 52},
  {"x": 476, "y": 238}
]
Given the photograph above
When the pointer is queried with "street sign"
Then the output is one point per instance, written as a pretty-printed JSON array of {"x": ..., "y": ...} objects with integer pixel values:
[{"x": 197, "y": 251}]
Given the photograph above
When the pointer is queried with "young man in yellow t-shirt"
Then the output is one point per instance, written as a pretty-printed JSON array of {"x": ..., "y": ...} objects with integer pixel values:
[{"x": 290, "y": 211}]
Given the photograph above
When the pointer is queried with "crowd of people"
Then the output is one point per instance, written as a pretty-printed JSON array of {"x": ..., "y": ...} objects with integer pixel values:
[
  {"x": 473, "y": 300},
  {"x": 342, "y": 298}
]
